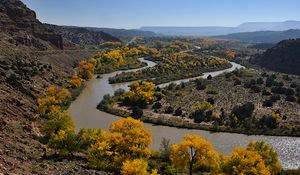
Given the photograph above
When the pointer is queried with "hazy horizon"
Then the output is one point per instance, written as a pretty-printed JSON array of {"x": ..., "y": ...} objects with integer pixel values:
[{"x": 133, "y": 14}]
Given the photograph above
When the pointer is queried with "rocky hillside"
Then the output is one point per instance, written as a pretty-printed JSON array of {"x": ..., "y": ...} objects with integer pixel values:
[
  {"x": 283, "y": 57},
  {"x": 31, "y": 58},
  {"x": 81, "y": 36},
  {"x": 19, "y": 27}
]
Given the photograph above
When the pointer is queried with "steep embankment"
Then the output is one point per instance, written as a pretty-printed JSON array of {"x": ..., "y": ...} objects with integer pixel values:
[
  {"x": 19, "y": 29},
  {"x": 80, "y": 36},
  {"x": 284, "y": 57},
  {"x": 31, "y": 58}
]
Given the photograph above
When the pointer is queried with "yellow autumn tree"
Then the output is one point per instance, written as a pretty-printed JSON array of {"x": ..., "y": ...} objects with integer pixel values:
[
  {"x": 194, "y": 153},
  {"x": 76, "y": 81},
  {"x": 54, "y": 100},
  {"x": 127, "y": 139},
  {"x": 64, "y": 141},
  {"x": 268, "y": 154},
  {"x": 135, "y": 137},
  {"x": 140, "y": 94},
  {"x": 88, "y": 137},
  {"x": 110, "y": 45},
  {"x": 62, "y": 121},
  {"x": 243, "y": 162},
  {"x": 136, "y": 167},
  {"x": 85, "y": 70}
]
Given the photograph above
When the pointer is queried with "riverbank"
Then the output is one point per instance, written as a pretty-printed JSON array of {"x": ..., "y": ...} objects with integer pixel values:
[
  {"x": 162, "y": 79},
  {"x": 85, "y": 115},
  {"x": 186, "y": 123},
  {"x": 229, "y": 92}
]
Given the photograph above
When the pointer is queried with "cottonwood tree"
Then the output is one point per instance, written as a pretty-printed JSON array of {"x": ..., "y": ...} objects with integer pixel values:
[
  {"x": 127, "y": 140},
  {"x": 243, "y": 161},
  {"x": 194, "y": 153},
  {"x": 136, "y": 167},
  {"x": 268, "y": 154}
]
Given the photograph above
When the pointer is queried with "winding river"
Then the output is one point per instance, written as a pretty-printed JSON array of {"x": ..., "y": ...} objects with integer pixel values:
[{"x": 85, "y": 115}]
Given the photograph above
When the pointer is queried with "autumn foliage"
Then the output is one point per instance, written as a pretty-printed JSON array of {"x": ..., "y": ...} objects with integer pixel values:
[
  {"x": 127, "y": 140},
  {"x": 243, "y": 161},
  {"x": 194, "y": 153},
  {"x": 85, "y": 70},
  {"x": 53, "y": 102},
  {"x": 136, "y": 167},
  {"x": 76, "y": 81},
  {"x": 140, "y": 94}
]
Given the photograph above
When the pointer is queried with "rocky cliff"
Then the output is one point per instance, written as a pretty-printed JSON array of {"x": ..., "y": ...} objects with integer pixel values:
[
  {"x": 31, "y": 58},
  {"x": 19, "y": 27},
  {"x": 81, "y": 36}
]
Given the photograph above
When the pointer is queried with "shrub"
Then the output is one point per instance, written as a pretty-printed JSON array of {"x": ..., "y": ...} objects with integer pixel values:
[
  {"x": 271, "y": 121},
  {"x": 237, "y": 82},
  {"x": 275, "y": 98},
  {"x": 266, "y": 93},
  {"x": 65, "y": 142},
  {"x": 291, "y": 98},
  {"x": 200, "y": 85},
  {"x": 289, "y": 92},
  {"x": 256, "y": 89},
  {"x": 156, "y": 105},
  {"x": 119, "y": 92},
  {"x": 212, "y": 91},
  {"x": 171, "y": 86},
  {"x": 137, "y": 112},
  {"x": 247, "y": 85},
  {"x": 269, "y": 82},
  {"x": 252, "y": 82},
  {"x": 158, "y": 95},
  {"x": 208, "y": 115},
  {"x": 268, "y": 103},
  {"x": 260, "y": 81},
  {"x": 198, "y": 116},
  {"x": 244, "y": 111},
  {"x": 178, "y": 111},
  {"x": 182, "y": 85},
  {"x": 293, "y": 85},
  {"x": 211, "y": 101},
  {"x": 209, "y": 77},
  {"x": 169, "y": 110}
]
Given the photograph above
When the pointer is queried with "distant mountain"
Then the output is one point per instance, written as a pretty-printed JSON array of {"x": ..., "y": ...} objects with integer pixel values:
[
  {"x": 218, "y": 30},
  {"x": 124, "y": 33},
  {"x": 283, "y": 57},
  {"x": 81, "y": 36},
  {"x": 263, "y": 36},
  {"x": 271, "y": 26},
  {"x": 203, "y": 31}
]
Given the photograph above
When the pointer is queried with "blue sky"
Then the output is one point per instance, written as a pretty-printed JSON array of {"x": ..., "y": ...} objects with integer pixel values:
[{"x": 137, "y": 13}]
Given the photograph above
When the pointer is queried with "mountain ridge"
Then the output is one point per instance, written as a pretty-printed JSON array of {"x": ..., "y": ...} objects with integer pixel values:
[
  {"x": 220, "y": 30},
  {"x": 262, "y": 36}
]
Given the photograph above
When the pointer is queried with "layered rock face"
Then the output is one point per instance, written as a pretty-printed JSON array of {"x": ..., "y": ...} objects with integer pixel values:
[{"x": 19, "y": 26}]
